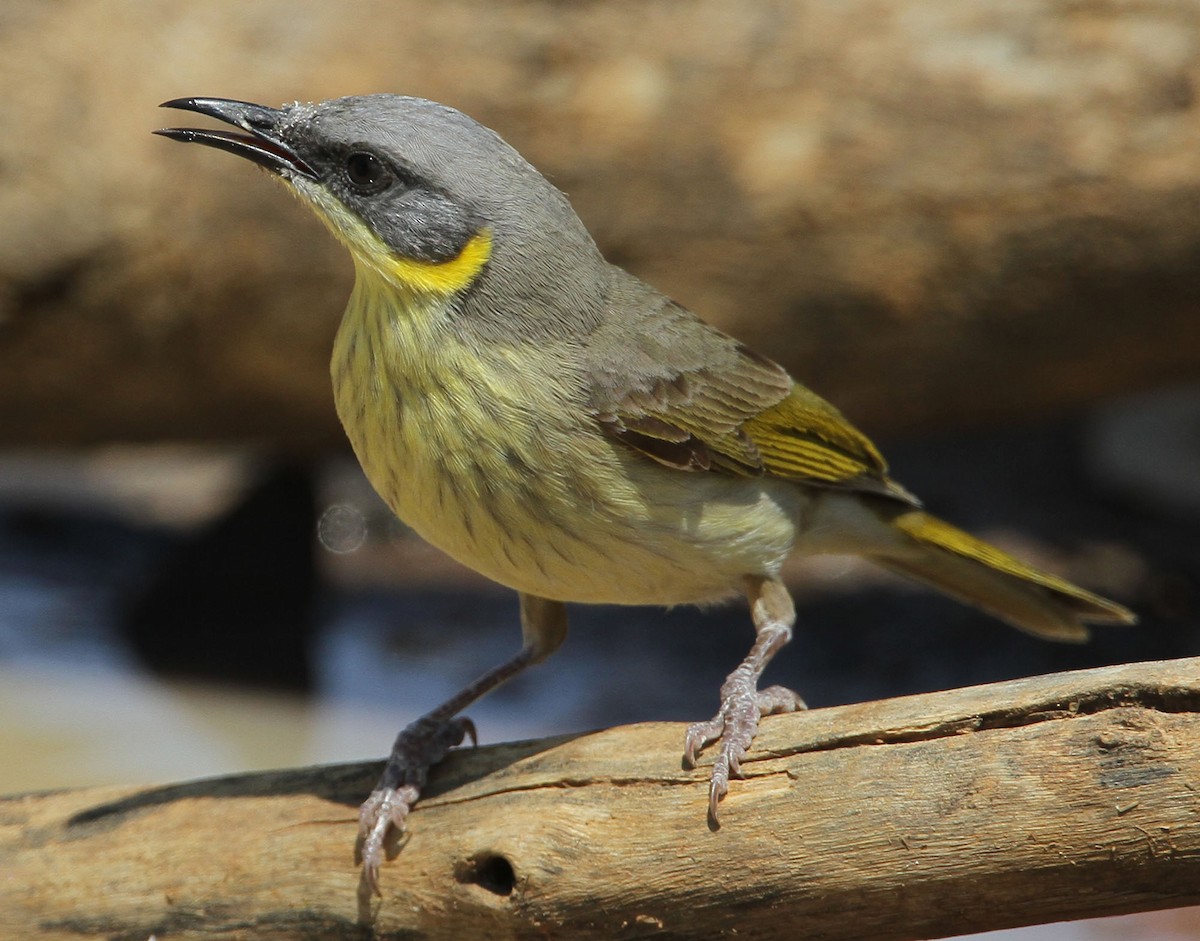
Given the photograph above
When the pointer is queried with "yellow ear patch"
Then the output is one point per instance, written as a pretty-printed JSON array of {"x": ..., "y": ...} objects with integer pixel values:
[
  {"x": 444, "y": 277},
  {"x": 416, "y": 277}
]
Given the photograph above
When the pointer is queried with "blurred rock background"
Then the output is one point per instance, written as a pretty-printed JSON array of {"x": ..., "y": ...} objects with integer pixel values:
[{"x": 974, "y": 227}]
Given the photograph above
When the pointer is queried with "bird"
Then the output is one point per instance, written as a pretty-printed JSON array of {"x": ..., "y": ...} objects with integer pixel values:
[{"x": 568, "y": 431}]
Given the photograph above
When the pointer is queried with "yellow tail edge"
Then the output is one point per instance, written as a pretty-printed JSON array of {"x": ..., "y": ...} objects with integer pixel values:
[{"x": 956, "y": 563}]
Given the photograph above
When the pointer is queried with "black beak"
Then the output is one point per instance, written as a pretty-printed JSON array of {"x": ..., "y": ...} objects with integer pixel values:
[{"x": 262, "y": 144}]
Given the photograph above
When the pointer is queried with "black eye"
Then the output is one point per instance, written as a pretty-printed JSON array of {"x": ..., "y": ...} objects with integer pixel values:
[{"x": 366, "y": 171}]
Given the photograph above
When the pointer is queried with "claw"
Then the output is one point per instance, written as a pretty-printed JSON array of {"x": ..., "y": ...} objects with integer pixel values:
[
  {"x": 717, "y": 789},
  {"x": 735, "y": 725},
  {"x": 419, "y": 747},
  {"x": 387, "y": 807},
  {"x": 374, "y": 827}
]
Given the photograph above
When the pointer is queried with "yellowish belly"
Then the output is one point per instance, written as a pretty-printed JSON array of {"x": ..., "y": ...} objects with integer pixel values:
[{"x": 505, "y": 473}]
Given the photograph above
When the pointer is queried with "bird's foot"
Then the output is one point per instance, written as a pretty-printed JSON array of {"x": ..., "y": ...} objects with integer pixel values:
[
  {"x": 418, "y": 748},
  {"x": 736, "y": 724}
]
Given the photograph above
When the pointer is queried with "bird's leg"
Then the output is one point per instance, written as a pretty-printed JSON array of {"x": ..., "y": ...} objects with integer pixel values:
[
  {"x": 742, "y": 702},
  {"x": 424, "y": 742},
  {"x": 419, "y": 746}
]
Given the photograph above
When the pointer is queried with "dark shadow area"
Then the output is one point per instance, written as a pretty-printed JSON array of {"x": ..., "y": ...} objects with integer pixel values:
[
  {"x": 234, "y": 602},
  {"x": 346, "y": 784}
]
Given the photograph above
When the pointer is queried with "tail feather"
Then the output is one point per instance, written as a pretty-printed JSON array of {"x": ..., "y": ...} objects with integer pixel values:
[{"x": 958, "y": 564}]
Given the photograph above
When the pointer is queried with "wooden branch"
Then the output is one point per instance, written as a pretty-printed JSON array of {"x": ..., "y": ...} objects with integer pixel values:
[{"x": 1030, "y": 801}]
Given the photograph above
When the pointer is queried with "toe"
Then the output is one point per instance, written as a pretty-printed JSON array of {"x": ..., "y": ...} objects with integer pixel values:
[
  {"x": 376, "y": 817},
  {"x": 700, "y": 735},
  {"x": 777, "y": 699},
  {"x": 369, "y": 812}
]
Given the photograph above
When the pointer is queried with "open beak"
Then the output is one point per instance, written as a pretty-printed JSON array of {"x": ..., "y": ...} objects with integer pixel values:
[{"x": 261, "y": 145}]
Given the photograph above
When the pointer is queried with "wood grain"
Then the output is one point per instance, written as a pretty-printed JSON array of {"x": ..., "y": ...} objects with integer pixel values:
[{"x": 1043, "y": 799}]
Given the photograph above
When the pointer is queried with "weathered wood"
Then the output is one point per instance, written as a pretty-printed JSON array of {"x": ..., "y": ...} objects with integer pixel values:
[
  {"x": 932, "y": 212},
  {"x": 1035, "y": 800}
]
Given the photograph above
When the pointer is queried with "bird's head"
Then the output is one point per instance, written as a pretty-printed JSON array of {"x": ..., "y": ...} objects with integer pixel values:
[{"x": 419, "y": 192}]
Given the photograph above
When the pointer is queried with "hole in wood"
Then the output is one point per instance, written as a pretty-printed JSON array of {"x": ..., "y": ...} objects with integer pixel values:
[{"x": 489, "y": 871}]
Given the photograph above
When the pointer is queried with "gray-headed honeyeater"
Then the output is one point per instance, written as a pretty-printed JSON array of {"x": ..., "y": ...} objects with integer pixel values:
[{"x": 558, "y": 425}]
